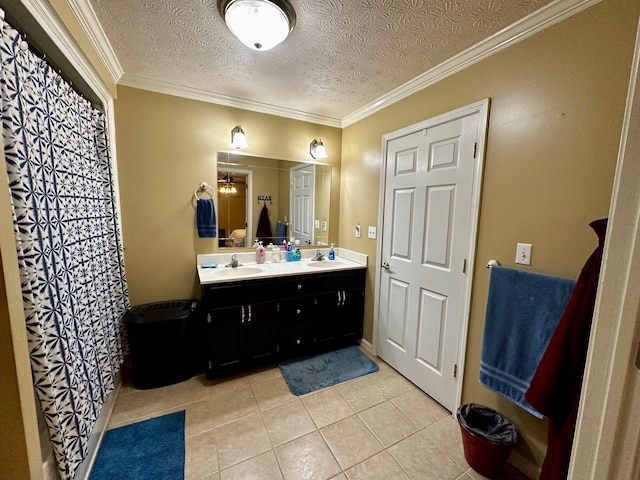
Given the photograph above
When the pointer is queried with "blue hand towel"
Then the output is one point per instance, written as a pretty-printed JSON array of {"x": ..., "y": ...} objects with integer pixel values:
[
  {"x": 523, "y": 311},
  {"x": 281, "y": 232},
  {"x": 206, "y": 218}
]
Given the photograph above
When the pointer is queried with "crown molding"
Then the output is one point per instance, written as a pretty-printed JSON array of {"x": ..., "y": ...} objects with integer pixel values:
[
  {"x": 86, "y": 15},
  {"x": 49, "y": 22},
  {"x": 524, "y": 28},
  {"x": 167, "y": 88}
]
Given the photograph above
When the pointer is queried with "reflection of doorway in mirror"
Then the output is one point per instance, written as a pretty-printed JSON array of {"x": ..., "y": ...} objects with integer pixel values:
[
  {"x": 233, "y": 191},
  {"x": 302, "y": 203}
]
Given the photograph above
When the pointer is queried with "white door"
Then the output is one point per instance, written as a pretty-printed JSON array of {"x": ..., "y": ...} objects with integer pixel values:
[
  {"x": 302, "y": 203},
  {"x": 428, "y": 238}
]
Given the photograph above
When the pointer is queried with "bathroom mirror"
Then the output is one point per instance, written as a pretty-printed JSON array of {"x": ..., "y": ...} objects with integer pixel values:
[{"x": 271, "y": 200}]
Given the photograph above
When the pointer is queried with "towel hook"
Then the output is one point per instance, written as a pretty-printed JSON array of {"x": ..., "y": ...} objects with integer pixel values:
[
  {"x": 492, "y": 263},
  {"x": 203, "y": 187}
]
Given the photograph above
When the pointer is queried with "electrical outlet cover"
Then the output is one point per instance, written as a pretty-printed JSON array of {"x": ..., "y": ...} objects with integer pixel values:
[{"x": 372, "y": 232}]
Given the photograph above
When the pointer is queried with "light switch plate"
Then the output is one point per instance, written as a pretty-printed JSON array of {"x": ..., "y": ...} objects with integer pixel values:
[
  {"x": 523, "y": 253},
  {"x": 324, "y": 225},
  {"x": 316, "y": 224},
  {"x": 372, "y": 232},
  {"x": 358, "y": 230}
]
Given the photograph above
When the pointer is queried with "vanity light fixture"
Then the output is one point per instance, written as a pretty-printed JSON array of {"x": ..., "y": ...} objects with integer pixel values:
[
  {"x": 317, "y": 150},
  {"x": 227, "y": 185},
  {"x": 238, "y": 139},
  {"x": 259, "y": 24}
]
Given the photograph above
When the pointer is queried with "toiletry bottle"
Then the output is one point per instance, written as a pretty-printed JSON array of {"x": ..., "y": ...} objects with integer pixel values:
[
  {"x": 289, "y": 253},
  {"x": 275, "y": 254},
  {"x": 298, "y": 255},
  {"x": 260, "y": 253},
  {"x": 332, "y": 254}
]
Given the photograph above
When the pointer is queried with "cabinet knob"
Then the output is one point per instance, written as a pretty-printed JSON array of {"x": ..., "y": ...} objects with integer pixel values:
[
  {"x": 298, "y": 311},
  {"x": 297, "y": 341},
  {"x": 299, "y": 286}
]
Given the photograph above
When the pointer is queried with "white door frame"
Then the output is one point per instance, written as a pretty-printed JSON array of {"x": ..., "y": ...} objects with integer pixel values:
[
  {"x": 608, "y": 425},
  {"x": 482, "y": 109}
]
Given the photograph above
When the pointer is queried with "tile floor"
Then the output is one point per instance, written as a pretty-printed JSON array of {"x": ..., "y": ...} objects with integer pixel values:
[{"x": 379, "y": 426}]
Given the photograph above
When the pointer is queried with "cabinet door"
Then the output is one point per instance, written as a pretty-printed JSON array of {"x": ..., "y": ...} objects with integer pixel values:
[
  {"x": 260, "y": 325},
  {"x": 327, "y": 326},
  {"x": 350, "y": 314},
  {"x": 226, "y": 340}
]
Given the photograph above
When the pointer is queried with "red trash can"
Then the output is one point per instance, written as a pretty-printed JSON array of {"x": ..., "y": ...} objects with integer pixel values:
[{"x": 487, "y": 438}]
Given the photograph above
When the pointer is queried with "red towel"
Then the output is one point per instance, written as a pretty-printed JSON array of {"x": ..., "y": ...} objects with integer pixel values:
[{"x": 555, "y": 387}]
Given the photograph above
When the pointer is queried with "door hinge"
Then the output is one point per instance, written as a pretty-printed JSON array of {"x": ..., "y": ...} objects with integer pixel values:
[
  {"x": 464, "y": 266},
  {"x": 210, "y": 365},
  {"x": 455, "y": 370},
  {"x": 208, "y": 318},
  {"x": 475, "y": 149}
]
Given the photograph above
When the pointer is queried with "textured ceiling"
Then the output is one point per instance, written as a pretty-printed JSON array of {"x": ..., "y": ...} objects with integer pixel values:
[{"x": 341, "y": 56}]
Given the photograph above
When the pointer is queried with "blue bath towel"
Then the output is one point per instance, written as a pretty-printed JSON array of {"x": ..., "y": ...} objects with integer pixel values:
[
  {"x": 206, "y": 218},
  {"x": 523, "y": 311}
]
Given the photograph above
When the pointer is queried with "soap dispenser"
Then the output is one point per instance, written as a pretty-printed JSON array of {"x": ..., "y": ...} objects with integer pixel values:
[
  {"x": 260, "y": 253},
  {"x": 332, "y": 254}
]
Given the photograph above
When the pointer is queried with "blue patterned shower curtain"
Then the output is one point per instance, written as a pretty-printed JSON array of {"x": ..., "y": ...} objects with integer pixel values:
[{"x": 68, "y": 244}]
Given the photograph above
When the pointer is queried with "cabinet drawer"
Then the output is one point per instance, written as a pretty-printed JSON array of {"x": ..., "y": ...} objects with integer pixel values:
[
  {"x": 294, "y": 342},
  {"x": 238, "y": 293},
  {"x": 297, "y": 311}
]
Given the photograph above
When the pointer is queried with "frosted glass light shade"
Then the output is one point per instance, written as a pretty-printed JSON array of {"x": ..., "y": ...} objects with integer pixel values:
[
  {"x": 238, "y": 138},
  {"x": 317, "y": 150},
  {"x": 259, "y": 24}
]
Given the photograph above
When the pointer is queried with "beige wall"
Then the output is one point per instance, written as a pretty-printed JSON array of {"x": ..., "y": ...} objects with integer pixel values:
[
  {"x": 166, "y": 147},
  {"x": 557, "y": 101}
]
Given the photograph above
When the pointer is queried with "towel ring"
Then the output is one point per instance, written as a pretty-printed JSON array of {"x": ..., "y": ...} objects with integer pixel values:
[
  {"x": 204, "y": 186},
  {"x": 492, "y": 263}
]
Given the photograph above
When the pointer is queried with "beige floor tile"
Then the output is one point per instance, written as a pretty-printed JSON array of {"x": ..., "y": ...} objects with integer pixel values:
[
  {"x": 261, "y": 467},
  {"x": 327, "y": 407},
  {"x": 272, "y": 393},
  {"x": 446, "y": 434},
  {"x": 420, "y": 407},
  {"x": 388, "y": 423},
  {"x": 351, "y": 441},
  {"x": 213, "y": 476},
  {"x": 197, "y": 418},
  {"x": 218, "y": 386},
  {"x": 360, "y": 393},
  {"x": 421, "y": 459},
  {"x": 509, "y": 473},
  {"x": 286, "y": 422},
  {"x": 200, "y": 455},
  {"x": 391, "y": 383},
  {"x": 233, "y": 405},
  {"x": 183, "y": 393},
  {"x": 341, "y": 476},
  {"x": 136, "y": 406},
  {"x": 464, "y": 476},
  {"x": 264, "y": 374},
  {"x": 240, "y": 440},
  {"x": 379, "y": 467},
  {"x": 307, "y": 458}
]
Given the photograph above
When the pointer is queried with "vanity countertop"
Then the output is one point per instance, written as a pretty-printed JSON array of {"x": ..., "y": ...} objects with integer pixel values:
[{"x": 250, "y": 270}]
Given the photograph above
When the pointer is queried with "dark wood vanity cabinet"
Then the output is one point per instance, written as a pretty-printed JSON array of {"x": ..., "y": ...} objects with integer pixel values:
[{"x": 256, "y": 322}]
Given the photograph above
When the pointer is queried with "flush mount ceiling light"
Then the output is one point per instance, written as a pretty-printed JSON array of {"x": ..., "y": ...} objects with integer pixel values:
[
  {"x": 259, "y": 24},
  {"x": 238, "y": 139},
  {"x": 317, "y": 150}
]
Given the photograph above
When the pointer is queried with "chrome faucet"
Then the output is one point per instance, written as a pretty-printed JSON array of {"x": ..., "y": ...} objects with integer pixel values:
[
  {"x": 318, "y": 257},
  {"x": 234, "y": 261}
]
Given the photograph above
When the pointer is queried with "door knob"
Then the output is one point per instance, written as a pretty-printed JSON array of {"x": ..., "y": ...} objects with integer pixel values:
[{"x": 386, "y": 266}]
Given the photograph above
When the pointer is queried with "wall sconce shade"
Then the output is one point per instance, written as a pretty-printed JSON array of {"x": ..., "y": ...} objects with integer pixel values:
[
  {"x": 259, "y": 24},
  {"x": 317, "y": 150},
  {"x": 238, "y": 138}
]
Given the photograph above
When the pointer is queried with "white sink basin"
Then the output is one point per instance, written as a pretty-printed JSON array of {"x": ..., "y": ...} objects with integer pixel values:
[
  {"x": 238, "y": 272},
  {"x": 325, "y": 264}
]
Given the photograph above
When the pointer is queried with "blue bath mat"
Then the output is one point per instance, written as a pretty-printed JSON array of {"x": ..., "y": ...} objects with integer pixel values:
[
  {"x": 143, "y": 450},
  {"x": 314, "y": 373}
]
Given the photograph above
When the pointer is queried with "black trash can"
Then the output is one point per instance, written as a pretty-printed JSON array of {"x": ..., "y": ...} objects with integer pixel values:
[
  {"x": 162, "y": 340},
  {"x": 487, "y": 438}
]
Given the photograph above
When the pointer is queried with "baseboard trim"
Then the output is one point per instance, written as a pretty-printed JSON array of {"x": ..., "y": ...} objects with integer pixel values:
[
  {"x": 368, "y": 346},
  {"x": 525, "y": 466}
]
